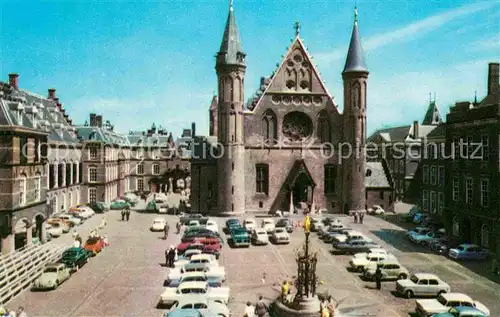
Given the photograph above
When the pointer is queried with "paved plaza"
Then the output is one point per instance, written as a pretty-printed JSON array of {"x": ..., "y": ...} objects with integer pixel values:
[{"x": 126, "y": 278}]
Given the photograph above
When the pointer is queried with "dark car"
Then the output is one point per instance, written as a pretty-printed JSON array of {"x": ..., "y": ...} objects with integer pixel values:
[
  {"x": 232, "y": 224},
  {"x": 355, "y": 247},
  {"x": 196, "y": 277},
  {"x": 97, "y": 207},
  {"x": 332, "y": 232},
  {"x": 185, "y": 219},
  {"x": 75, "y": 258},
  {"x": 285, "y": 223}
]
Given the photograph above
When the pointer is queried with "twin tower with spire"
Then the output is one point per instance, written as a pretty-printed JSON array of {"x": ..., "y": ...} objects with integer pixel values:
[{"x": 250, "y": 178}]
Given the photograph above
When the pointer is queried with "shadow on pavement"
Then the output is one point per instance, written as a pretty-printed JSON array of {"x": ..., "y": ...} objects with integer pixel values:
[{"x": 399, "y": 240}]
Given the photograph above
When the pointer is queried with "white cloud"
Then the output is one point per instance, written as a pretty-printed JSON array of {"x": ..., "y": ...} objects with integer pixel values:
[{"x": 410, "y": 31}]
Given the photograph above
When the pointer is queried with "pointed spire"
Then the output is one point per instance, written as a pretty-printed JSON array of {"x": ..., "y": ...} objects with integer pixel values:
[
  {"x": 230, "y": 52},
  {"x": 296, "y": 26},
  {"x": 355, "y": 61},
  {"x": 475, "y": 97},
  {"x": 432, "y": 115}
]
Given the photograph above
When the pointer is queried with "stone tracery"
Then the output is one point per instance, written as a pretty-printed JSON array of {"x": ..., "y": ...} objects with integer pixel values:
[{"x": 297, "y": 126}]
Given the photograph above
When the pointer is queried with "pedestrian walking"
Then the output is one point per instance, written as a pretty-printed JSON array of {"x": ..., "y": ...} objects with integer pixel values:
[
  {"x": 264, "y": 275},
  {"x": 285, "y": 289},
  {"x": 127, "y": 213},
  {"x": 178, "y": 226},
  {"x": 378, "y": 278},
  {"x": 361, "y": 216},
  {"x": 167, "y": 252},
  {"x": 261, "y": 308},
  {"x": 171, "y": 256},
  {"x": 331, "y": 306},
  {"x": 355, "y": 215},
  {"x": 249, "y": 310},
  {"x": 165, "y": 231},
  {"x": 123, "y": 215}
]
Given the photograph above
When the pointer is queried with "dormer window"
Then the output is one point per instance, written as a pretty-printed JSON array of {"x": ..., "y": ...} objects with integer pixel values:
[{"x": 368, "y": 172}]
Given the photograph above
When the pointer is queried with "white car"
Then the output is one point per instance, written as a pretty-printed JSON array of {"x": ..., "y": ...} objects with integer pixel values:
[
  {"x": 429, "y": 307},
  {"x": 158, "y": 224},
  {"x": 349, "y": 236},
  {"x": 268, "y": 225},
  {"x": 69, "y": 218},
  {"x": 212, "y": 225},
  {"x": 260, "y": 237},
  {"x": 250, "y": 224},
  {"x": 360, "y": 263},
  {"x": 184, "y": 290},
  {"x": 132, "y": 197},
  {"x": 86, "y": 211},
  {"x": 55, "y": 230},
  {"x": 163, "y": 209},
  {"x": 422, "y": 284},
  {"x": 193, "y": 223},
  {"x": 204, "y": 306},
  {"x": 218, "y": 272},
  {"x": 371, "y": 251},
  {"x": 207, "y": 259},
  {"x": 186, "y": 257},
  {"x": 280, "y": 236},
  {"x": 376, "y": 210}
]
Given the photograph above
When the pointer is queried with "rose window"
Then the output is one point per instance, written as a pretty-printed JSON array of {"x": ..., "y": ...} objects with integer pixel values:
[{"x": 297, "y": 126}]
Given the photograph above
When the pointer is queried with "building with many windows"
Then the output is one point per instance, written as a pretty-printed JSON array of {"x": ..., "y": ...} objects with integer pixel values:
[
  {"x": 472, "y": 210},
  {"x": 275, "y": 152}
]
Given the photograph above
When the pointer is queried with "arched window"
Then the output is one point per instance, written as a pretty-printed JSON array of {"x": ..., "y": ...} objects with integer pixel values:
[
  {"x": 22, "y": 190},
  {"x": 323, "y": 128},
  {"x": 485, "y": 236},
  {"x": 269, "y": 127},
  {"x": 456, "y": 227},
  {"x": 355, "y": 95}
]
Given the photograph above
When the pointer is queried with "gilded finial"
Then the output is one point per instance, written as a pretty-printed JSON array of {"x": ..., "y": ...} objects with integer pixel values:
[
  {"x": 297, "y": 28},
  {"x": 355, "y": 14}
]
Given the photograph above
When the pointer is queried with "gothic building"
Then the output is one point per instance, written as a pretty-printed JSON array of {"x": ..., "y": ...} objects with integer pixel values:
[{"x": 272, "y": 152}]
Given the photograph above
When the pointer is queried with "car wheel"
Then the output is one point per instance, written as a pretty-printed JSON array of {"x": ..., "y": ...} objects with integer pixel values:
[
  {"x": 409, "y": 294},
  {"x": 402, "y": 277},
  {"x": 359, "y": 269}
]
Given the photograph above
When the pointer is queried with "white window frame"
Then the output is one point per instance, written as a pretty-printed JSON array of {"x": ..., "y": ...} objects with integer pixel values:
[
  {"x": 38, "y": 186},
  {"x": 433, "y": 176},
  {"x": 425, "y": 199},
  {"x": 432, "y": 202},
  {"x": 155, "y": 169},
  {"x": 440, "y": 199},
  {"x": 485, "y": 147},
  {"x": 140, "y": 169},
  {"x": 485, "y": 186},
  {"x": 441, "y": 176},
  {"x": 469, "y": 190},
  {"x": 137, "y": 181},
  {"x": 92, "y": 174},
  {"x": 456, "y": 188},
  {"x": 425, "y": 176},
  {"x": 92, "y": 192},
  {"x": 22, "y": 190},
  {"x": 93, "y": 153}
]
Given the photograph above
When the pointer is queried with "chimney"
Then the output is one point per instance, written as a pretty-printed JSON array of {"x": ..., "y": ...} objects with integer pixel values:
[
  {"x": 193, "y": 129},
  {"x": 415, "y": 130},
  {"x": 98, "y": 121},
  {"x": 93, "y": 120},
  {"x": 493, "y": 77},
  {"x": 14, "y": 80},
  {"x": 52, "y": 93}
]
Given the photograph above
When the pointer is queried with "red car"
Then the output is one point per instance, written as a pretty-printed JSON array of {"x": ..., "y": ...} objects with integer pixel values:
[
  {"x": 206, "y": 245},
  {"x": 94, "y": 245}
]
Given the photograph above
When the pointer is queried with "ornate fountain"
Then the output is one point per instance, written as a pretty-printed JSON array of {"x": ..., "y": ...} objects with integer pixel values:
[{"x": 305, "y": 302}]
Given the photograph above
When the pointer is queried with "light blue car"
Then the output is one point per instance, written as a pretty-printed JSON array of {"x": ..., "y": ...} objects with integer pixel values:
[
  {"x": 462, "y": 311},
  {"x": 423, "y": 238},
  {"x": 187, "y": 313},
  {"x": 468, "y": 252}
]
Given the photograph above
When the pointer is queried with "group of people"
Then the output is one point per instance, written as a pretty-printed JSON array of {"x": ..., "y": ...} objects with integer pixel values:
[
  {"x": 358, "y": 217},
  {"x": 6, "y": 313},
  {"x": 171, "y": 256},
  {"x": 126, "y": 214},
  {"x": 261, "y": 309}
]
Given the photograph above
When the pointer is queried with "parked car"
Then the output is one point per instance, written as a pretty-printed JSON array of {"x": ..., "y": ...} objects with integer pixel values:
[
  {"x": 94, "y": 245},
  {"x": 260, "y": 237},
  {"x": 391, "y": 270},
  {"x": 349, "y": 237},
  {"x": 443, "y": 303},
  {"x": 462, "y": 311},
  {"x": 359, "y": 263},
  {"x": 422, "y": 284},
  {"x": 53, "y": 275},
  {"x": 186, "y": 257},
  {"x": 201, "y": 305},
  {"x": 376, "y": 210},
  {"x": 56, "y": 222},
  {"x": 355, "y": 246},
  {"x": 211, "y": 271},
  {"x": 75, "y": 258},
  {"x": 152, "y": 207},
  {"x": 371, "y": 251},
  {"x": 212, "y": 225},
  {"x": 206, "y": 245},
  {"x": 240, "y": 237},
  {"x": 204, "y": 258},
  {"x": 340, "y": 234},
  {"x": 195, "y": 277},
  {"x": 268, "y": 225},
  {"x": 280, "y": 235},
  {"x": 231, "y": 224},
  {"x": 316, "y": 223},
  {"x": 186, "y": 218},
  {"x": 468, "y": 252},
  {"x": 172, "y": 295},
  {"x": 250, "y": 224},
  {"x": 55, "y": 230},
  {"x": 411, "y": 214},
  {"x": 425, "y": 238},
  {"x": 119, "y": 205},
  {"x": 158, "y": 224},
  {"x": 73, "y": 221},
  {"x": 418, "y": 231},
  {"x": 83, "y": 210},
  {"x": 329, "y": 236},
  {"x": 285, "y": 223}
]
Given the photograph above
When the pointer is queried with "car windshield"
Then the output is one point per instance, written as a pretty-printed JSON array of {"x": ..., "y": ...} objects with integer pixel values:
[
  {"x": 414, "y": 279},
  {"x": 279, "y": 231},
  {"x": 158, "y": 221},
  {"x": 50, "y": 270},
  {"x": 261, "y": 233},
  {"x": 70, "y": 254},
  {"x": 268, "y": 222},
  {"x": 442, "y": 300},
  {"x": 461, "y": 248}
]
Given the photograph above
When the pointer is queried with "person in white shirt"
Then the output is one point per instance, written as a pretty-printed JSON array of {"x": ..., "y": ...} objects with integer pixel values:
[{"x": 249, "y": 310}]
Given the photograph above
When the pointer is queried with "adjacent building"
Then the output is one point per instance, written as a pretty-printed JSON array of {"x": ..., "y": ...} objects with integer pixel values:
[
  {"x": 402, "y": 148},
  {"x": 472, "y": 210},
  {"x": 275, "y": 151}
]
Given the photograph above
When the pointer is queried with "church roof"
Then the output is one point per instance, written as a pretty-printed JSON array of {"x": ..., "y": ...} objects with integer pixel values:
[
  {"x": 355, "y": 61},
  {"x": 432, "y": 116},
  {"x": 376, "y": 176},
  {"x": 230, "y": 51}
]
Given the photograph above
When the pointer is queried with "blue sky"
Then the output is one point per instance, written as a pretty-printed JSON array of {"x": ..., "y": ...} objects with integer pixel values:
[{"x": 143, "y": 62}]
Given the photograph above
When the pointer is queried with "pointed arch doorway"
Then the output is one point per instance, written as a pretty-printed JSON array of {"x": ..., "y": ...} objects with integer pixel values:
[{"x": 302, "y": 189}]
